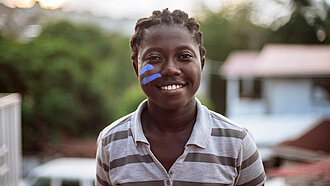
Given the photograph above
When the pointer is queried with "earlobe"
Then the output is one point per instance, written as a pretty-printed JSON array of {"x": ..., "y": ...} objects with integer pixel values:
[
  {"x": 135, "y": 65},
  {"x": 203, "y": 61}
]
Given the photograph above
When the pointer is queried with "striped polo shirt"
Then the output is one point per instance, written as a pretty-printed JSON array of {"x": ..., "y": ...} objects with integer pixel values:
[{"x": 218, "y": 152}]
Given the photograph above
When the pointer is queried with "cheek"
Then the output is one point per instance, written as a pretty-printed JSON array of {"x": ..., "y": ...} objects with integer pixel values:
[
  {"x": 150, "y": 78},
  {"x": 193, "y": 72},
  {"x": 148, "y": 74}
]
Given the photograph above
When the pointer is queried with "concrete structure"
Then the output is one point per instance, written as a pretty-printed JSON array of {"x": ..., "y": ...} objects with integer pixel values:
[
  {"x": 10, "y": 139},
  {"x": 281, "y": 79},
  {"x": 279, "y": 92}
]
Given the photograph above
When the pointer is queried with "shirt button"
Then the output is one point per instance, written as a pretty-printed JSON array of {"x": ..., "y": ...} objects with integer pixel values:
[{"x": 171, "y": 172}]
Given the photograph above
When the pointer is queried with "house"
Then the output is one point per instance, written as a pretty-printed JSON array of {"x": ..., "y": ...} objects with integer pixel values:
[
  {"x": 278, "y": 93},
  {"x": 10, "y": 139}
]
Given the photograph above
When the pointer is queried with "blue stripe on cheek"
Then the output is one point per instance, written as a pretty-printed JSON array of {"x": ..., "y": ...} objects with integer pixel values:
[
  {"x": 145, "y": 69},
  {"x": 150, "y": 78}
]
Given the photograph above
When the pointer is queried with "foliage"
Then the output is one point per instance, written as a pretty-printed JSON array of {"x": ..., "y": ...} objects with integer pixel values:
[
  {"x": 71, "y": 78},
  {"x": 224, "y": 32},
  {"x": 230, "y": 29},
  {"x": 309, "y": 24}
]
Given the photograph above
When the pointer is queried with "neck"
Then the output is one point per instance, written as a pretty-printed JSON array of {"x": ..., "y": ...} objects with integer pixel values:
[{"x": 171, "y": 120}]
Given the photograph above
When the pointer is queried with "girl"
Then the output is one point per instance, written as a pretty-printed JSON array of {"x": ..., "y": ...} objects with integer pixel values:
[{"x": 172, "y": 139}]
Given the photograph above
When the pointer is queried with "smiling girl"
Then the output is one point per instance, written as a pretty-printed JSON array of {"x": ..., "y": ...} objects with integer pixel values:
[{"x": 172, "y": 139}]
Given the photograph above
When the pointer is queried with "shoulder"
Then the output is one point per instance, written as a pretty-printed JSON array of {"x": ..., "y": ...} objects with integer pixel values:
[
  {"x": 225, "y": 126},
  {"x": 115, "y": 130}
]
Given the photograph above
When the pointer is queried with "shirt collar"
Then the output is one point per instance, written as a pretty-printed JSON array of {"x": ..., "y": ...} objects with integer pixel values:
[
  {"x": 136, "y": 124},
  {"x": 202, "y": 129},
  {"x": 200, "y": 135}
]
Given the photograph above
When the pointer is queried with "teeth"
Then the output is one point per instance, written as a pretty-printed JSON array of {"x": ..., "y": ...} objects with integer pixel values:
[{"x": 171, "y": 87}]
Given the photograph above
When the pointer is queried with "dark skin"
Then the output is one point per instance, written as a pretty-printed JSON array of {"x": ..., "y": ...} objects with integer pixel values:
[
  {"x": 167, "y": 134},
  {"x": 170, "y": 115}
]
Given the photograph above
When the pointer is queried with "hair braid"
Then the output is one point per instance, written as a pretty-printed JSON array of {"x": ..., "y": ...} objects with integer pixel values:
[{"x": 169, "y": 18}]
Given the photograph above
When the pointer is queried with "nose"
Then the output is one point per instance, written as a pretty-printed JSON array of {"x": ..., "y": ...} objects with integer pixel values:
[{"x": 171, "y": 68}]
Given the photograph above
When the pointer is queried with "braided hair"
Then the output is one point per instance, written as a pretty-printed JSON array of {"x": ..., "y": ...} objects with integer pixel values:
[{"x": 170, "y": 18}]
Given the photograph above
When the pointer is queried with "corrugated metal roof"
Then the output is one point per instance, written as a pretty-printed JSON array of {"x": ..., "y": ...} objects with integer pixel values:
[
  {"x": 316, "y": 139},
  {"x": 278, "y": 60},
  {"x": 316, "y": 170}
]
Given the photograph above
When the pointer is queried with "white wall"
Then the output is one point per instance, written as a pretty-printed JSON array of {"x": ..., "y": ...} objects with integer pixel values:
[
  {"x": 279, "y": 96},
  {"x": 241, "y": 106},
  {"x": 10, "y": 139}
]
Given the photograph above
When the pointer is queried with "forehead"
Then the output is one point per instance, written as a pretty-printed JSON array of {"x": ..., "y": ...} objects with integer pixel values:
[{"x": 167, "y": 35}]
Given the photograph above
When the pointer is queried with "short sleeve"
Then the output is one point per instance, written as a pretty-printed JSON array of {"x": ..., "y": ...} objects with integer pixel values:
[
  {"x": 102, "y": 165},
  {"x": 250, "y": 168}
]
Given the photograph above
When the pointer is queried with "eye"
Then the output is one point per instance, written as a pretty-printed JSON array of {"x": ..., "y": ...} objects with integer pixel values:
[
  {"x": 154, "y": 58},
  {"x": 185, "y": 56}
]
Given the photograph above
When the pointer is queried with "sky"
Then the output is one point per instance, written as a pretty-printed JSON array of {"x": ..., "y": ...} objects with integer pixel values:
[
  {"x": 123, "y": 8},
  {"x": 266, "y": 10}
]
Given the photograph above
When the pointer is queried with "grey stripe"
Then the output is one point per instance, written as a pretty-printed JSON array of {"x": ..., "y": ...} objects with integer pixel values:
[
  {"x": 145, "y": 183},
  {"x": 102, "y": 182},
  {"x": 254, "y": 157},
  {"x": 255, "y": 181},
  {"x": 105, "y": 167},
  {"x": 185, "y": 183},
  {"x": 210, "y": 158},
  {"x": 122, "y": 122},
  {"x": 116, "y": 136},
  {"x": 130, "y": 159},
  {"x": 220, "y": 132}
]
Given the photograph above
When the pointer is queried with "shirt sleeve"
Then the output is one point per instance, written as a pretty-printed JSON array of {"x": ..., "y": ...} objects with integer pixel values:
[
  {"x": 102, "y": 165},
  {"x": 250, "y": 168}
]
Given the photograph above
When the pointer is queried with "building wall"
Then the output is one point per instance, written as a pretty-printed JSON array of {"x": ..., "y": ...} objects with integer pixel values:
[
  {"x": 279, "y": 96},
  {"x": 288, "y": 95},
  {"x": 10, "y": 139},
  {"x": 241, "y": 106},
  {"x": 293, "y": 96}
]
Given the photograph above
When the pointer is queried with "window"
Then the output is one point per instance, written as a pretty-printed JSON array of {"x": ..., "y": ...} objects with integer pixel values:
[
  {"x": 70, "y": 183},
  {"x": 42, "y": 182},
  {"x": 250, "y": 88}
]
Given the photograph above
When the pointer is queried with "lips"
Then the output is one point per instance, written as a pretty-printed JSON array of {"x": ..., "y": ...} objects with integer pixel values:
[{"x": 171, "y": 87}]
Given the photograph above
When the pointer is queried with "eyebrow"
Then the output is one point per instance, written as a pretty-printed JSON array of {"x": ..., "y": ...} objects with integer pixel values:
[{"x": 183, "y": 47}]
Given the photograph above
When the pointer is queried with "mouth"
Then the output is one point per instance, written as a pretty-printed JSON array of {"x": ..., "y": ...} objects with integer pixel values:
[{"x": 171, "y": 87}]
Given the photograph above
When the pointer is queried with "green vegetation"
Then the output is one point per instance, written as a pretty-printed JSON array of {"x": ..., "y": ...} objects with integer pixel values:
[{"x": 72, "y": 79}]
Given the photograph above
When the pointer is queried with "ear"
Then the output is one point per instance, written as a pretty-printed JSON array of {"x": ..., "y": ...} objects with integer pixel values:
[
  {"x": 203, "y": 61},
  {"x": 135, "y": 65}
]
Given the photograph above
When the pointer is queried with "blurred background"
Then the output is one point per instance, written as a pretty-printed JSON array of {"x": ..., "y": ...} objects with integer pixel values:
[{"x": 65, "y": 74}]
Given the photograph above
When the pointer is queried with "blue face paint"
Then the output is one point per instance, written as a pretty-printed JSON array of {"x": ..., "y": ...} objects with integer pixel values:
[
  {"x": 145, "y": 69},
  {"x": 150, "y": 78}
]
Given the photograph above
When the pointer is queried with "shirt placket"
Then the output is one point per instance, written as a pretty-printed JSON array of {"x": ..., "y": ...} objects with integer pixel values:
[{"x": 169, "y": 176}]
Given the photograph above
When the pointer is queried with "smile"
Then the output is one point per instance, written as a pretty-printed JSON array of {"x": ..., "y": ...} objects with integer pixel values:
[{"x": 171, "y": 87}]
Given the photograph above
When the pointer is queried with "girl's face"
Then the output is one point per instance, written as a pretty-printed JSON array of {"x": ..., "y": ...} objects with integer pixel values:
[{"x": 169, "y": 66}]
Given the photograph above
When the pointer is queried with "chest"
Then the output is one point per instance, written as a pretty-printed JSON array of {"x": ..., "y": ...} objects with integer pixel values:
[
  {"x": 191, "y": 165},
  {"x": 167, "y": 148}
]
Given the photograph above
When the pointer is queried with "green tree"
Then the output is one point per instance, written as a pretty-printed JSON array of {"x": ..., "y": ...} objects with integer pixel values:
[
  {"x": 309, "y": 24},
  {"x": 71, "y": 78}
]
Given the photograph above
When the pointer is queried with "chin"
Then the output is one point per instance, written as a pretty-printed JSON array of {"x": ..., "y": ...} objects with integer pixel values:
[{"x": 171, "y": 104}]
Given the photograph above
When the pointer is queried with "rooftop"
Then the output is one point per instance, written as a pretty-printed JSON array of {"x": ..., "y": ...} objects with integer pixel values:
[
  {"x": 279, "y": 60},
  {"x": 315, "y": 170}
]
